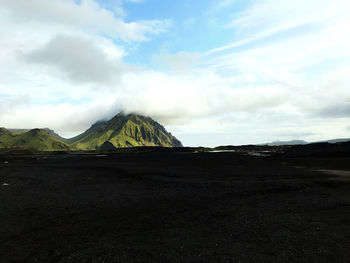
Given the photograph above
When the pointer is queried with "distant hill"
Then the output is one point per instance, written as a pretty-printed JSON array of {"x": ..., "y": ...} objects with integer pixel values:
[
  {"x": 337, "y": 140},
  {"x": 52, "y": 132},
  {"x": 281, "y": 143},
  {"x": 302, "y": 142},
  {"x": 36, "y": 139},
  {"x": 125, "y": 131}
]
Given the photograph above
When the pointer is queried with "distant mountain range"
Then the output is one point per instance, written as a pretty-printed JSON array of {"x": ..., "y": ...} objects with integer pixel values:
[
  {"x": 280, "y": 143},
  {"x": 302, "y": 142},
  {"x": 121, "y": 131}
]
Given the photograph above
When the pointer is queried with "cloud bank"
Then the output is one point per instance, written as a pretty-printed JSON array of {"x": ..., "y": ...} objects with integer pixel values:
[{"x": 80, "y": 59}]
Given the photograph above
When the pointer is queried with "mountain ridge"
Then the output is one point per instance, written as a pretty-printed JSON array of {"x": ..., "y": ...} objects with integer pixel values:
[
  {"x": 34, "y": 139},
  {"x": 123, "y": 130},
  {"x": 302, "y": 142}
]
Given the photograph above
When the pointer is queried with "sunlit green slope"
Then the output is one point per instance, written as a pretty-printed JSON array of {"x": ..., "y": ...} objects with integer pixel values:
[
  {"x": 121, "y": 131},
  {"x": 125, "y": 131},
  {"x": 36, "y": 139}
]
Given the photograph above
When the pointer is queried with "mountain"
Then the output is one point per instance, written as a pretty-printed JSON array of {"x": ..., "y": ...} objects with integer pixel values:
[
  {"x": 280, "y": 143},
  {"x": 36, "y": 139},
  {"x": 125, "y": 131},
  {"x": 302, "y": 142},
  {"x": 337, "y": 140},
  {"x": 52, "y": 132},
  {"x": 122, "y": 131}
]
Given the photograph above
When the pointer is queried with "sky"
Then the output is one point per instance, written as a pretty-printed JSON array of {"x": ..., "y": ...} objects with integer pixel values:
[{"x": 213, "y": 72}]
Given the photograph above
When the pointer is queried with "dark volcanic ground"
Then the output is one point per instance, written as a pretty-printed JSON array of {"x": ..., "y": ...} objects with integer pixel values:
[{"x": 174, "y": 207}]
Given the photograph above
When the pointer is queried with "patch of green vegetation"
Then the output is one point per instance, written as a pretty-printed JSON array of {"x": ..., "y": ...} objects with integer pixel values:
[
  {"x": 36, "y": 139},
  {"x": 125, "y": 131},
  {"x": 122, "y": 131}
]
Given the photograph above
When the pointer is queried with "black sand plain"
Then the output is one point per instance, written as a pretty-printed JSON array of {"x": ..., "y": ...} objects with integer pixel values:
[{"x": 176, "y": 206}]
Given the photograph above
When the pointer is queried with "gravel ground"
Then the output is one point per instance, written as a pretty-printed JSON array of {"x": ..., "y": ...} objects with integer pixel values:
[{"x": 174, "y": 207}]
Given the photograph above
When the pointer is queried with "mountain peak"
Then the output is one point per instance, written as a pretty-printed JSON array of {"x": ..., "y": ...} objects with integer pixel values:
[{"x": 126, "y": 130}]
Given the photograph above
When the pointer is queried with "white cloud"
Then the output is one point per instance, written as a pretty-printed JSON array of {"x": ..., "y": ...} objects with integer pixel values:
[
  {"x": 87, "y": 15},
  {"x": 267, "y": 16},
  {"x": 311, "y": 66},
  {"x": 180, "y": 62},
  {"x": 80, "y": 59}
]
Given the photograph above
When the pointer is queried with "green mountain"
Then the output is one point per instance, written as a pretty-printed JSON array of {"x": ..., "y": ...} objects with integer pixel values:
[
  {"x": 36, "y": 139},
  {"x": 125, "y": 131},
  {"x": 52, "y": 132},
  {"x": 121, "y": 131}
]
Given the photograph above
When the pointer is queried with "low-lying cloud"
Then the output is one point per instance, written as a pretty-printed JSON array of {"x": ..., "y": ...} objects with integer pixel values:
[{"x": 341, "y": 110}]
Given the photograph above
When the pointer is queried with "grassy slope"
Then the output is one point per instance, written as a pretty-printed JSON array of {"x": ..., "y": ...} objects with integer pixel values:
[
  {"x": 122, "y": 131},
  {"x": 6, "y": 138},
  {"x": 125, "y": 131},
  {"x": 36, "y": 139}
]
